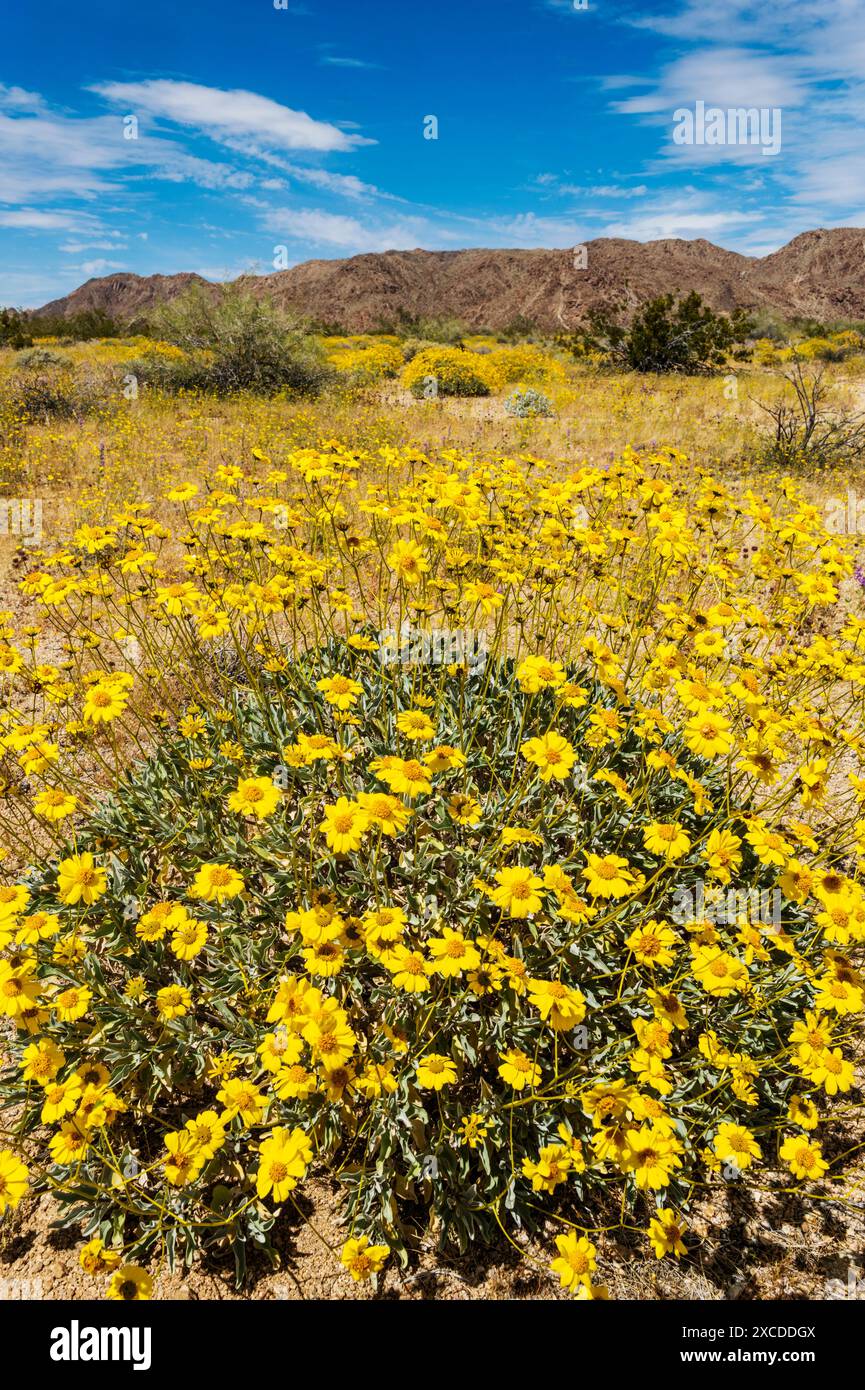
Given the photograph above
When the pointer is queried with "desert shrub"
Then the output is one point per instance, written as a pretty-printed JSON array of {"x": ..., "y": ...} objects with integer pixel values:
[
  {"x": 402, "y": 325},
  {"x": 807, "y": 429},
  {"x": 526, "y": 402},
  {"x": 35, "y": 358},
  {"x": 190, "y": 373},
  {"x": 664, "y": 335},
  {"x": 765, "y": 323},
  {"x": 804, "y": 327},
  {"x": 250, "y": 346},
  {"x": 449, "y": 331},
  {"x": 199, "y": 373},
  {"x": 81, "y": 327},
  {"x": 14, "y": 330},
  {"x": 519, "y": 328},
  {"x": 40, "y": 394},
  {"x": 766, "y": 352},
  {"x": 294, "y": 984},
  {"x": 412, "y": 346},
  {"x": 445, "y": 371},
  {"x": 830, "y": 347},
  {"x": 526, "y": 363},
  {"x": 849, "y": 340},
  {"x": 368, "y": 364},
  {"x": 819, "y": 349}
]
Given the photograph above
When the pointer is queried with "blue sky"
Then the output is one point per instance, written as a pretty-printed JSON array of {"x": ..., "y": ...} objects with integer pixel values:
[{"x": 303, "y": 127}]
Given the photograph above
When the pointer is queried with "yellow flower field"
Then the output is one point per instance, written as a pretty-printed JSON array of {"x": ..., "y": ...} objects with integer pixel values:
[{"x": 481, "y": 827}]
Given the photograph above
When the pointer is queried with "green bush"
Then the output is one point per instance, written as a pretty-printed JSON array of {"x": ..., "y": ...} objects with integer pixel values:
[
  {"x": 235, "y": 343},
  {"x": 300, "y": 917},
  {"x": 77, "y": 328},
  {"x": 37, "y": 358},
  {"x": 412, "y": 346},
  {"x": 14, "y": 329},
  {"x": 663, "y": 336},
  {"x": 40, "y": 394},
  {"x": 528, "y": 403}
]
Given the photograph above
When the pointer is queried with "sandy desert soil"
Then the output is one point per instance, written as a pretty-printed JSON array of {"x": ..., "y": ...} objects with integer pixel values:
[{"x": 772, "y": 1245}]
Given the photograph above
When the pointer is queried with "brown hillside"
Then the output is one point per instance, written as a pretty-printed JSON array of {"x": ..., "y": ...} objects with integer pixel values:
[
  {"x": 820, "y": 274},
  {"x": 121, "y": 295}
]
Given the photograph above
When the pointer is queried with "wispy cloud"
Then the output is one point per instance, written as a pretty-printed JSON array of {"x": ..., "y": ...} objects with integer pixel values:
[
  {"x": 74, "y": 248},
  {"x": 807, "y": 60},
  {"x": 680, "y": 219},
  {"x": 721, "y": 77},
  {"x": 228, "y": 115},
  {"x": 331, "y": 60},
  {"x": 326, "y": 229},
  {"x": 46, "y": 155},
  {"x": 32, "y": 219},
  {"x": 100, "y": 267},
  {"x": 17, "y": 99},
  {"x": 562, "y": 189}
]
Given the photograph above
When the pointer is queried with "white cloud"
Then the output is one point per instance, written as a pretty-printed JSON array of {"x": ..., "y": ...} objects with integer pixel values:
[
  {"x": 335, "y": 62},
  {"x": 17, "y": 99},
  {"x": 222, "y": 274},
  {"x": 228, "y": 114},
  {"x": 603, "y": 190},
  {"x": 525, "y": 229},
  {"x": 809, "y": 57},
  {"x": 343, "y": 185},
  {"x": 691, "y": 213},
  {"x": 46, "y": 156},
  {"x": 99, "y": 267},
  {"x": 836, "y": 177},
  {"x": 327, "y": 229},
  {"x": 806, "y": 59},
  {"x": 178, "y": 167},
  {"x": 826, "y": 39},
  {"x": 719, "y": 77},
  {"x": 680, "y": 220},
  {"x": 74, "y": 248},
  {"x": 31, "y": 219}
]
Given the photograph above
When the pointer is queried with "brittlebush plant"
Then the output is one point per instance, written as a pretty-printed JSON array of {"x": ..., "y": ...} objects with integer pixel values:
[
  {"x": 368, "y": 363},
  {"x": 476, "y": 935},
  {"x": 452, "y": 372}
]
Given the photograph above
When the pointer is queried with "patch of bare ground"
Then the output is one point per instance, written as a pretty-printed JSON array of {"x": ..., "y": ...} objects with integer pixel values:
[{"x": 745, "y": 1244}]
